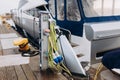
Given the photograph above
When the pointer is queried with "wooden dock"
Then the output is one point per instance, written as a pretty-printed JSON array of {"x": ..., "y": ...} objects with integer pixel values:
[
  {"x": 17, "y": 67},
  {"x": 30, "y": 71}
]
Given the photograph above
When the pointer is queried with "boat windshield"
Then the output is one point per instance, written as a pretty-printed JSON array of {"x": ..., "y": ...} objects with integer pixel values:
[
  {"x": 71, "y": 12},
  {"x": 35, "y": 11},
  {"x": 96, "y": 8}
]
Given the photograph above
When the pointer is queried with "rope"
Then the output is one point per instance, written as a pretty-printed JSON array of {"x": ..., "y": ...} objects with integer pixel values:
[
  {"x": 98, "y": 70},
  {"x": 52, "y": 49}
]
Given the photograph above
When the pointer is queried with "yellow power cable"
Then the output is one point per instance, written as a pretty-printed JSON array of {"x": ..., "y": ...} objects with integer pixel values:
[
  {"x": 53, "y": 46},
  {"x": 98, "y": 70}
]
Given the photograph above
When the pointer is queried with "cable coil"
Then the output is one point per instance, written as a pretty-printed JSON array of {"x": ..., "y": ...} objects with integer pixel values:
[{"x": 55, "y": 60}]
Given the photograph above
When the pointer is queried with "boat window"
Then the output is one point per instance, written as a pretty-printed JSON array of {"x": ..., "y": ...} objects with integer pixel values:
[
  {"x": 94, "y": 8},
  {"x": 73, "y": 13},
  {"x": 41, "y": 8},
  {"x": 52, "y": 7},
  {"x": 26, "y": 12},
  {"x": 33, "y": 12},
  {"x": 60, "y": 9}
]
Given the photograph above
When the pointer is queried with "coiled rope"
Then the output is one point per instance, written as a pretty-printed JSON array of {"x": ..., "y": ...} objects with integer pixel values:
[{"x": 52, "y": 48}]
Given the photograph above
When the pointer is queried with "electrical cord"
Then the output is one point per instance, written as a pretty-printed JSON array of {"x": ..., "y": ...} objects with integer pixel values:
[
  {"x": 30, "y": 53},
  {"x": 98, "y": 71},
  {"x": 52, "y": 49}
]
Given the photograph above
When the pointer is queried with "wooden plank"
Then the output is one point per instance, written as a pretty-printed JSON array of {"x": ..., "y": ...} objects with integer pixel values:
[
  {"x": 3, "y": 29},
  {"x": 40, "y": 76},
  {"x": 28, "y": 72},
  {"x": 11, "y": 74},
  {"x": 108, "y": 75},
  {"x": 3, "y": 75},
  {"x": 43, "y": 75},
  {"x": 8, "y": 43},
  {"x": 1, "y": 51},
  {"x": 8, "y": 35},
  {"x": 9, "y": 52},
  {"x": 48, "y": 75},
  {"x": 54, "y": 76},
  {"x": 9, "y": 60},
  {"x": 34, "y": 60},
  {"x": 20, "y": 73}
]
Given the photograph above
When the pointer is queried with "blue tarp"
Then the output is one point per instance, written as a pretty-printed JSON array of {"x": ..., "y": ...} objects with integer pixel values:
[{"x": 112, "y": 59}]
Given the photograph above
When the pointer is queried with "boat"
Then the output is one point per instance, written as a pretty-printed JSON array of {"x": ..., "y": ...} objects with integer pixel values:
[{"x": 93, "y": 24}]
